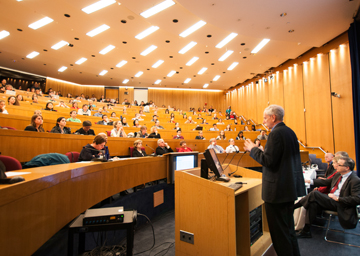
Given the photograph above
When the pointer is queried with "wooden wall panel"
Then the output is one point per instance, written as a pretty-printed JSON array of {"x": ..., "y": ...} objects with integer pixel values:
[
  {"x": 294, "y": 100},
  {"x": 262, "y": 95},
  {"x": 276, "y": 90},
  {"x": 343, "y": 122},
  {"x": 112, "y": 93},
  {"x": 129, "y": 96},
  {"x": 319, "y": 129},
  {"x": 74, "y": 89}
]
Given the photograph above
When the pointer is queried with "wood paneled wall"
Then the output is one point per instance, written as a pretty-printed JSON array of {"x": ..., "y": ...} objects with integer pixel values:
[
  {"x": 184, "y": 99},
  {"x": 303, "y": 87},
  {"x": 129, "y": 96}
]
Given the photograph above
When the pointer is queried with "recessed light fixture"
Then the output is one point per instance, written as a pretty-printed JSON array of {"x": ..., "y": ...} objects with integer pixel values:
[
  {"x": 59, "y": 45},
  {"x": 97, "y": 6},
  {"x": 205, "y": 85},
  {"x": 107, "y": 49},
  {"x": 260, "y": 45},
  {"x": 157, "y": 81},
  {"x": 125, "y": 81},
  {"x": 187, "y": 47},
  {"x": 157, "y": 8},
  {"x": 121, "y": 63},
  {"x": 232, "y": 66},
  {"x": 216, "y": 78},
  {"x": 190, "y": 62},
  {"x": 226, "y": 54},
  {"x": 202, "y": 71},
  {"x": 226, "y": 40},
  {"x": 291, "y": 31},
  {"x": 4, "y": 34},
  {"x": 193, "y": 28},
  {"x": 62, "y": 69},
  {"x": 139, "y": 73},
  {"x": 158, "y": 63},
  {"x": 97, "y": 30},
  {"x": 41, "y": 23},
  {"x": 32, "y": 55},
  {"x": 171, "y": 73},
  {"x": 283, "y": 14},
  {"x": 103, "y": 72},
  {"x": 187, "y": 80},
  {"x": 81, "y": 61},
  {"x": 148, "y": 50},
  {"x": 146, "y": 32}
]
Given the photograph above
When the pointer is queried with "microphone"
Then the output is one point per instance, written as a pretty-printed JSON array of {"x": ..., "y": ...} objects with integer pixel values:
[
  {"x": 238, "y": 164},
  {"x": 151, "y": 149}
]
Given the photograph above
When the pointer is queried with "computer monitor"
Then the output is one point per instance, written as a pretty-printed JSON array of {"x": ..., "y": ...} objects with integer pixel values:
[
  {"x": 182, "y": 161},
  {"x": 213, "y": 162}
]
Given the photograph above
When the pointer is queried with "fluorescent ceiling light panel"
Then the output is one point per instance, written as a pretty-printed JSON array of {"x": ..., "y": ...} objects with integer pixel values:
[
  {"x": 157, "y": 81},
  {"x": 202, "y": 71},
  {"x": 97, "y": 30},
  {"x": 139, "y": 73},
  {"x": 81, "y": 61},
  {"x": 157, "y": 8},
  {"x": 158, "y": 63},
  {"x": 103, "y": 72},
  {"x": 187, "y": 80},
  {"x": 32, "y": 55},
  {"x": 62, "y": 69},
  {"x": 146, "y": 32},
  {"x": 4, "y": 34},
  {"x": 40, "y": 23},
  {"x": 216, "y": 78},
  {"x": 97, "y": 6},
  {"x": 107, "y": 49},
  {"x": 148, "y": 50},
  {"x": 260, "y": 45},
  {"x": 232, "y": 66},
  {"x": 226, "y": 40},
  {"x": 59, "y": 45},
  {"x": 187, "y": 47},
  {"x": 193, "y": 28},
  {"x": 125, "y": 81},
  {"x": 205, "y": 85},
  {"x": 190, "y": 62},
  {"x": 121, "y": 63},
  {"x": 171, "y": 73},
  {"x": 227, "y": 54}
]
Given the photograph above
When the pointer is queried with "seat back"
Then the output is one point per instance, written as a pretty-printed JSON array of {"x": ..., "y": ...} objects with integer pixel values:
[
  {"x": 131, "y": 149},
  {"x": 73, "y": 156},
  {"x": 8, "y": 127},
  {"x": 108, "y": 133},
  {"x": 10, "y": 163}
]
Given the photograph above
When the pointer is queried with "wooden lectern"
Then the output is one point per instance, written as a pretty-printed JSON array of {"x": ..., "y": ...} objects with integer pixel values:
[{"x": 216, "y": 215}]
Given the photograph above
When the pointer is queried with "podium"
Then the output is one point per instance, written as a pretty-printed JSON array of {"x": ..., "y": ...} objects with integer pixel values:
[{"x": 218, "y": 217}]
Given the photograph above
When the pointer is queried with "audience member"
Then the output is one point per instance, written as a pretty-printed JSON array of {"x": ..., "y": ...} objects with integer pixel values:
[
  {"x": 157, "y": 125},
  {"x": 124, "y": 123},
  {"x": 60, "y": 127},
  {"x": 99, "y": 113},
  {"x": 203, "y": 121},
  {"x": 142, "y": 133},
  {"x": 85, "y": 111},
  {"x": 12, "y": 101},
  {"x": 220, "y": 121},
  {"x": 34, "y": 98},
  {"x": 240, "y": 136},
  {"x": 232, "y": 147},
  {"x": 19, "y": 97},
  {"x": 49, "y": 107},
  {"x": 85, "y": 130},
  {"x": 200, "y": 136},
  {"x": 214, "y": 128},
  {"x": 62, "y": 105},
  {"x": 183, "y": 147},
  {"x": 190, "y": 121},
  {"x": 73, "y": 117},
  {"x": 106, "y": 149},
  {"x": 163, "y": 148},
  {"x": 118, "y": 130},
  {"x": 136, "y": 124},
  {"x": 228, "y": 128},
  {"x": 113, "y": 116},
  {"x": 154, "y": 133},
  {"x": 263, "y": 135},
  {"x": 253, "y": 128},
  {"x": 92, "y": 150},
  {"x": 36, "y": 124},
  {"x": 221, "y": 136},
  {"x": 3, "y": 107},
  {"x": 178, "y": 135},
  {"x": 74, "y": 105},
  {"x": 37, "y": 112},
  {"x": 177, "y": 126},
  {"x": 138, "y": 151},
  {"x": 105, "y": 121},
  {"x": 217, "y": 148},
  {"x": 246, "y": 129},
  {"x": 329, "y": 159}
]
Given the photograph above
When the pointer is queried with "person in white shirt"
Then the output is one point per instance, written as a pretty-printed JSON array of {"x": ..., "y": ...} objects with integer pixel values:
[
  {"x": 2, "y": 107},
  {"x": 85, "y": 111},
  {"x": 232, "y": 148},
  {"x": 118, "y": 130},
  {"x": 217, "y": 148}
]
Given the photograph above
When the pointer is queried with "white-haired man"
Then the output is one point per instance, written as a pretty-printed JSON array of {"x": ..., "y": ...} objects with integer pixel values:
[{"x": 163, "y": 148}]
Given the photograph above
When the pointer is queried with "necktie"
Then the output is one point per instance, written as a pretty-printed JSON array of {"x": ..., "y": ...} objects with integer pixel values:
[
  {"x": 336, "y": 185},
  {"x": 216, "y": 151}
]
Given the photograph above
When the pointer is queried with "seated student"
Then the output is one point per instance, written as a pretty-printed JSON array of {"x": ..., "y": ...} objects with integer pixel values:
[
  {"x": 154, "y": 133},
  {"x": 118, "y": 130},
  {"x": 246, "y": 129},
  {"x": 232, "y": 115},
  {"x": 138, "y": 117},
  {"x": 214, "y": 128},
  {"x": 74, "y": 105},
  {"x": 172, "y": 120},
  {"x": 2, "y": 107},
  {"x": 85, "y": 130},
  {"x": 258, "y": 144},
  {"x": 60, "y": 127},
  {"x": 113, "y": 116},
  {"x": 99, "y": 113},
  {"x": 190, "y": 121},
  {"x": 142, "y": 133},
  {"x": 214, "y": 117},
  {"x": 199, "y": 116},
  {"x": 240, "y": 136},
  {"x": 106, "y": 149},
  {"x": 178, "y": 135},
  {"x": 36, "y": 124},
  {"x": 177, "y": 126},
  {"x": 183, "y": 147},
  {"x": 253, "y": 128},
  {"x": 141, "y": 113},
  {"x": 92, "y": 150},
  {"x": 263, "y": 135},
  {"x": 19, "y": 97},
  {"x": 163, "y": 148},
  {"x": 136, "y": 124},
  {"x": 157, "y": 125},
  {"x": 124, "y": 123},
  {"x": 12, "y": 101},
  {"x": 221, "y": 136},
  {"x": 200, "y": 136},
  {"x": 203, "y": 121},
  {"x": 62, "y": 105},
  {"x": 138, "y": 152},
  {"x": 154, "y": 119},
  {"x": 228, "y": 128},
  {"x": 105, "y": 121},
  {"x": 232, "y": 148},
  {"x": 73, "y": 117},
  {"x": 220, "y": 121},
  {"x": 217, "y": 148},
  {"x": 49, "y": 107},
  {"x": 34, "y": 98},
  {"x": 85, "y": 111}
]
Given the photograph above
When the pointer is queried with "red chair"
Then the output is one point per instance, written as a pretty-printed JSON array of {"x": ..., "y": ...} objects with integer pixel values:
[
  {"x": 10, "y": 163},
  {"x": 73, "y": 156},
  {"x": 177, "y": 149},
  {"x": 108, "y": 133},
  {"x": 132, "y": 150},
  {"x": 8, "y": 127}
]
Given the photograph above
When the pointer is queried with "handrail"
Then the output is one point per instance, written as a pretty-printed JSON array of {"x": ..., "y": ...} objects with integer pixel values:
[{"x": 312, "y": 147}]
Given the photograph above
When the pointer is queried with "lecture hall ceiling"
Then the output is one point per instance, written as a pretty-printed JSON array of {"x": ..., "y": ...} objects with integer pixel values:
[{"x": 313, "y": 22}]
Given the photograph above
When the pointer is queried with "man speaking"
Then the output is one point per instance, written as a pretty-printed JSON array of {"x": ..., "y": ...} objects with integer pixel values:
[{"x": 282, "y": 179}]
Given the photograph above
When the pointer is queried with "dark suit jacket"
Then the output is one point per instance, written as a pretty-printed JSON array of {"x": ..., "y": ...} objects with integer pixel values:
[
  {"x": 330, "y": 170},
  {"x": 348, "y": 199},
  {"x": 160, "y": 151},
  {"x": 282, "y": 179}
]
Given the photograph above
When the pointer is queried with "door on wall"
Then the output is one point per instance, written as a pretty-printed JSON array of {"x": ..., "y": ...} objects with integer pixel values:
[{"x": 112, "y": 93}]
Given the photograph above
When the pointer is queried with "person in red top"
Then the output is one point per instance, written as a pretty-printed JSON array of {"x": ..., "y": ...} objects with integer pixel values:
[
  {"x": 184, "y": 148},
  {"x": 178, "y": 135}
]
